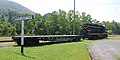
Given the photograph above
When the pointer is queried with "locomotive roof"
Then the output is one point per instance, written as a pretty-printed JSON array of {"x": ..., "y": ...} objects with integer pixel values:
[{"x": 92, "y": 24}]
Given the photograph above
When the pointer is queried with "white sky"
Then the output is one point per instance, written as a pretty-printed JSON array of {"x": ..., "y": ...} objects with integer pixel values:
[{"x": 102, "y": 10}]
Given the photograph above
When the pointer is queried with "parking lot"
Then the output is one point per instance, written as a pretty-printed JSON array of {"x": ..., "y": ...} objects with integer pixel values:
[{"x": 105, "y": 50}]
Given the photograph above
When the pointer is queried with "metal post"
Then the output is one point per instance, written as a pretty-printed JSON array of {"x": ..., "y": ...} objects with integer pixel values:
[
  {"x": 22, "y": 38},
  {"x": 22, "y": 29},
  {"x": 74, "y": 20}
]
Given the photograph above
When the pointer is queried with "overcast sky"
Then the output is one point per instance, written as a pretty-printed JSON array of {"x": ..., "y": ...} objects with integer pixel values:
[{"x": 102, "y": 10}]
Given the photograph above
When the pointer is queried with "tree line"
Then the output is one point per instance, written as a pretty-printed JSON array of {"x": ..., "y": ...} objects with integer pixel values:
[{"x": 54, "y": 23}]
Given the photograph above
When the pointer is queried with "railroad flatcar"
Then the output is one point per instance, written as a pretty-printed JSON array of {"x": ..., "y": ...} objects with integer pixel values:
[{"x": 89, "y": 30}]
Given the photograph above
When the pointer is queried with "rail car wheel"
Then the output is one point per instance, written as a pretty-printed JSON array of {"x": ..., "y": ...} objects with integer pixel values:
[
  {"x": 31, "y": 42},
  {"x": 18, "y": 43},
  {"x": 28, "y": 42},
  {"x": 92, "y": 38},
  {"x": 75, "y": 39}
]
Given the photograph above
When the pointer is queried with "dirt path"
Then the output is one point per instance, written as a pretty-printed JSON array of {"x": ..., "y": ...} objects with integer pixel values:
[{"x": 105, "y": 50}]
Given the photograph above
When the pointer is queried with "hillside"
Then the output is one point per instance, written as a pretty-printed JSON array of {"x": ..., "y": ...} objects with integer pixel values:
[{"x": 6, "y": 5}]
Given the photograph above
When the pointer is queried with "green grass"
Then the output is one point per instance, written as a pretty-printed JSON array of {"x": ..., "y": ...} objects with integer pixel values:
[
  {"x": 89, "y": 41},
  {"x": 61, "y": 51},
  {"x": 5, "y": 38},
  {"x": 118, "y": 58}
]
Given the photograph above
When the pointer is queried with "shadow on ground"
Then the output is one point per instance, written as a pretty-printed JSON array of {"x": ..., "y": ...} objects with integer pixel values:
[{"x": 20, "y": 54}]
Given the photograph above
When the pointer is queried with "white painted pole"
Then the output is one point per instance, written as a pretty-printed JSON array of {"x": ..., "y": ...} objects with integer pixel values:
[{"x": 22, "y": 38}]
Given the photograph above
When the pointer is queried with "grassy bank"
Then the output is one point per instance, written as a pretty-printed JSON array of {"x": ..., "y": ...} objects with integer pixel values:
[
  {"x": 5, "y": 38},
  {"x": 61, "y": 51},
  {"x": 54, "y": 51}
]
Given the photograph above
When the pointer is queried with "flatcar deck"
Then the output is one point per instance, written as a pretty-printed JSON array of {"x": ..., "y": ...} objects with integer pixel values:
[
  {"x": 35, "y": 39},
  {"x": 51, "y": 36}
]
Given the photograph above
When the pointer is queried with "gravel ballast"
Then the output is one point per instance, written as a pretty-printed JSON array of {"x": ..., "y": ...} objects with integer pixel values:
[{"x": 105, "y": 50}]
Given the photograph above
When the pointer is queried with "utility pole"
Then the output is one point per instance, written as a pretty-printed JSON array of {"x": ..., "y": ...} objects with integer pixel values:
[{"x": 74, "y": 20}]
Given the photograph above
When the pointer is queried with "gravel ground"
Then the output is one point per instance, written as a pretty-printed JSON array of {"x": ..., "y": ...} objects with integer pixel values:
[{"x": 105, "y": 50}]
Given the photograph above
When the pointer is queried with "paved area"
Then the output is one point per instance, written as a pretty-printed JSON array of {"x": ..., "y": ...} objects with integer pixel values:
[{"x": 105, "y": 50}]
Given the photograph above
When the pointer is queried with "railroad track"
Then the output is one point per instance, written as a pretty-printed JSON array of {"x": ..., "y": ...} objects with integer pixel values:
[{"x": 6, "y": 41}]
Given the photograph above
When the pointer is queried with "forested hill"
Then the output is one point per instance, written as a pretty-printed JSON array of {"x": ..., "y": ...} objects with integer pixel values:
[{"x": 6, "y": 5}]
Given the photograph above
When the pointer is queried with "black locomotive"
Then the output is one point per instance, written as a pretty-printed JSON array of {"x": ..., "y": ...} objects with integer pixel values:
[{"x": 93, "y": 31}]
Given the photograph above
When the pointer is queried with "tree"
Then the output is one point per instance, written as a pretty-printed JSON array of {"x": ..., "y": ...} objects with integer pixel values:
[{"x": 55, "y": 23}]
